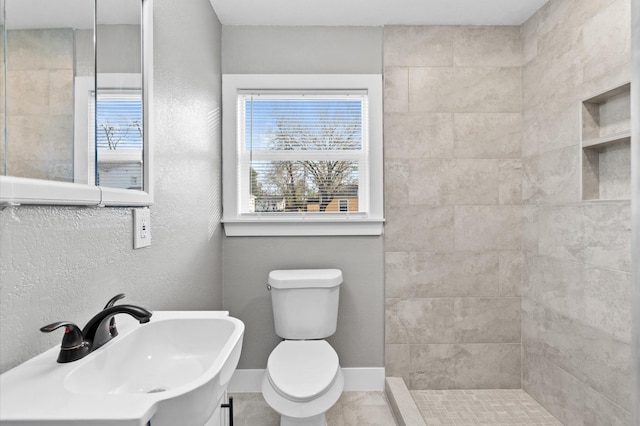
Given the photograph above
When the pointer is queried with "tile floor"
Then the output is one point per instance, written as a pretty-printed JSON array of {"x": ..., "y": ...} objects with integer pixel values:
[
  {"x": 352, "y": 409},
  {"x": 481, "y": 407}
]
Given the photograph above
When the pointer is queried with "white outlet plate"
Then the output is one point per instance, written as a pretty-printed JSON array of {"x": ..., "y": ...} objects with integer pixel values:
[{"x": 141, "y": 228}]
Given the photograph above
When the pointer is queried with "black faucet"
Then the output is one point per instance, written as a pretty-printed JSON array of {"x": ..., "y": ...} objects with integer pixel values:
[
  {"x": 113, "y": 331},
  {"x": 77, "y": 344},
  {"x": 96, "y": 332}
]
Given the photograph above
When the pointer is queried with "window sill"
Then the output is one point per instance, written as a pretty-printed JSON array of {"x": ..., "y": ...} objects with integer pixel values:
[{"x": 302, "y": 227}]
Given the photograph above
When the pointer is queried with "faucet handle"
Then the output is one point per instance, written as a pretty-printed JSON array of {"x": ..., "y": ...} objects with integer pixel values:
[
  {"x": 113, "y": 300},
  {"x": 113, "y": 331},
  {"x": 73, "y": 345}
]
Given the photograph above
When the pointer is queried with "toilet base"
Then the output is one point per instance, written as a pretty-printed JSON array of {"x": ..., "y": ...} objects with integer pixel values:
[{"x": 319, "y": 420}]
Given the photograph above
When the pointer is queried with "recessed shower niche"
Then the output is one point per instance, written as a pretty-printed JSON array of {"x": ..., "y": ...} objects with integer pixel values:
[{"x": 606, "y": 145}]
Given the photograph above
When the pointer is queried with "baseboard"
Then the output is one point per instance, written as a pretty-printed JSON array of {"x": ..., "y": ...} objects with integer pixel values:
[{"x": 355, "y": 379}]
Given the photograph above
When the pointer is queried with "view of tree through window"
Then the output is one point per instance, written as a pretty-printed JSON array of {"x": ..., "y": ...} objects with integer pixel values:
[
  {"x": 119, "y": 139},
  {"x": 305, "y": 152}
]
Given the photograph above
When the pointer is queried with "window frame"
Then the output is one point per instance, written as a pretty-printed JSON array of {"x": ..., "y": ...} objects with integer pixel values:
[{"x": 369, "y": 222}]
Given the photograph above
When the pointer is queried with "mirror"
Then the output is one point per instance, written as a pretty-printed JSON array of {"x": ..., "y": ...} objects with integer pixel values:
[{"x": 75, "y": 101}]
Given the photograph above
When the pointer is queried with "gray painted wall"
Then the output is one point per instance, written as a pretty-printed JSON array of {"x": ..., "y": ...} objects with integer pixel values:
[
  {"x": 359, "y": 340},
  {"x": 248, "y": 261},
  {"x": 301, "y": 50},
  {"x": 64, "y": 263}
]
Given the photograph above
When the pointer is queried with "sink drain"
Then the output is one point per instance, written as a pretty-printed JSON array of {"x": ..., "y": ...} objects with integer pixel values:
[{"x": 156, "y": 390}]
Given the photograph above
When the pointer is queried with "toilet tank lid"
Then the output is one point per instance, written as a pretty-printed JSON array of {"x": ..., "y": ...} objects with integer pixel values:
[{"x": 300, "y": 278}]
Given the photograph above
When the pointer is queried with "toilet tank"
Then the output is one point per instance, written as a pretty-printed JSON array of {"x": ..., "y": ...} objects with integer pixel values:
[{"x": 305, "y": 302}]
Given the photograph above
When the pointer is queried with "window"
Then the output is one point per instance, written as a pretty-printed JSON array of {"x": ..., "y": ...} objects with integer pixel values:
[
  {"x": 302, "y": 154},
  {"x": 118, "y": 138},
  {"x": 115, "y": 134}
]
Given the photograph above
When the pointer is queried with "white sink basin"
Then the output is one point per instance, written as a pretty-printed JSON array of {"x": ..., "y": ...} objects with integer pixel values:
[{"x": 171, "y": 371}]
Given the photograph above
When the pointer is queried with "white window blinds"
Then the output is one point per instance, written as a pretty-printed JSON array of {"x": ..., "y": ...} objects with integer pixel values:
[
  {"x": 118, "y": 138},
  {"x": 303, "y": 152}
]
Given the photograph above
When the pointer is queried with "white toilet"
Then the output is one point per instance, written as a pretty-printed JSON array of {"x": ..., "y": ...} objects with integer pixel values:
[{"x": 303, "y": 378}]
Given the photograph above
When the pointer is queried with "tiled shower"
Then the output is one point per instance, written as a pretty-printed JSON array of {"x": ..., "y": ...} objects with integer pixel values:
[{"x": 499, "y": 273}]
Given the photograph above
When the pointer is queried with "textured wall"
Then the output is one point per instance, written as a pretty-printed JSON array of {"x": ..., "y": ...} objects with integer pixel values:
[
  {"x": 576, "y": 293},
  {"x": 359, "y": 340},
  {"x": 64, "y": 263},
  {"x": 452, "y": 203}
]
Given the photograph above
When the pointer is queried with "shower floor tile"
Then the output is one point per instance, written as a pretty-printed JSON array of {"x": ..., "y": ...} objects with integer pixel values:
[{"x": 481, "y": 407}]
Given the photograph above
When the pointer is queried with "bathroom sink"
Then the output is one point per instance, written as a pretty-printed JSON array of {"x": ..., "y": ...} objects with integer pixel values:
[{"x": 172, "y": 370}]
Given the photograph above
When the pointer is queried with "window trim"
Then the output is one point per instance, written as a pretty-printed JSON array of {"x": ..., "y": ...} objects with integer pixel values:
[{"x": 304, "y": 224}]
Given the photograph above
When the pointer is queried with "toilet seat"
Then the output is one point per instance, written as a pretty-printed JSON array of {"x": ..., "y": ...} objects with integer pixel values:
[{"x": 302, "y": 370}]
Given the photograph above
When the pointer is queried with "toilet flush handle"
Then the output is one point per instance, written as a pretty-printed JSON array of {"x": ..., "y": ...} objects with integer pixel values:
[{"x": 269, "y": 287}]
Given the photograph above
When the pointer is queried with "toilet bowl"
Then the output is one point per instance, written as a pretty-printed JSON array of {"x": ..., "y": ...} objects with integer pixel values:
[{"x": 303, "y": 380}]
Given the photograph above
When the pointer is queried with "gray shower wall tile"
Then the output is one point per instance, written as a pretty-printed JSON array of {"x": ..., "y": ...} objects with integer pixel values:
[
  {"x": 487, "y": 135},
  {"x": 557, "y": 40},
  {"x": 598, "y": 359},
  {"x": 453, "y": 182},
  {"x": 39, "y": 138},
  {"x": 599, "y": 411},
  {"x": 614, "y": 172},
  {"x": 607, "y": 230},
  {"x": 444, "y": 274},
  {"x": 396, "y": 89},
  {"x": 559, "y": 392},
  {"x": 418, "y": 228},
  {"x": 552, "y": 177},
  {"x": 40, "y": 49},
  {"x": 57, "y": 170},
  {"x": 465, "y": 366},
  {"x": 61, "y": 92},
  {"x": 487, "y": 46},
  {"x": 604, "y": 82},
  {"x": 28, "y": 93},
  {"x": 488, "y": 227},
  {"x": 575, "y": 326},
  {"x": 557, "y": 284},
  {"x": 607, "y": 301},
  {"x": 487, "y": 320},
  {"x": 569, "y": 13},
  {"x": 418, "y": 135},
  {"x": 419, "y": 320},
  {"x": 510, "y": 182},
  {"x": 530, "y": 130},
  {"x": 561, "y": 232},
  {"x": 557, "y": 123},
  {"x": 530, "y": 229},
  {"x": 396, "y": 182},
  {"x": 419, "y": 46},
  {"x": 607, "y": 46},
  {"x": 551, "y": 75},
  {"x": 511, "y": 265},
  {"x": 529, "y": 37},
  {"x": 453, "y": 204},
  {"x": 465, "y": 89},
  {"x": 397, "y": 361},
  {"x": 397, "y": 279}
]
